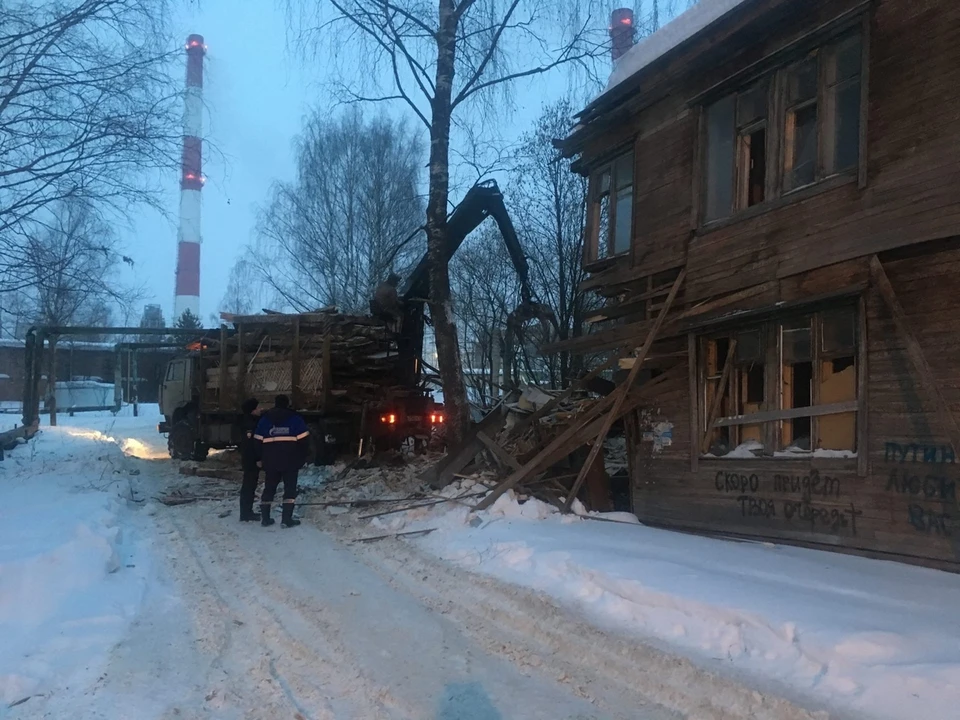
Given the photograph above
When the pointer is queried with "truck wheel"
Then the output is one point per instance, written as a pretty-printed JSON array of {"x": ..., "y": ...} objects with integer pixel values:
[
  {"x": 181, "y": 440},
  {"x": 200, "y": 452}
]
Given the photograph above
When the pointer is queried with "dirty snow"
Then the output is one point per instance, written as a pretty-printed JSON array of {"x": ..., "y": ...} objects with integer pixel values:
[
  {"x": 875, "y": 637},
  {"x": 675, "y": 32}
]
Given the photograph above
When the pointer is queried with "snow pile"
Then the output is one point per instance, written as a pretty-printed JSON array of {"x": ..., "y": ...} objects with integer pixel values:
[
  {"x": 72, "y": 569},
  {"x": 874, "y": 637},
  {"x": 675, "y": 32}
]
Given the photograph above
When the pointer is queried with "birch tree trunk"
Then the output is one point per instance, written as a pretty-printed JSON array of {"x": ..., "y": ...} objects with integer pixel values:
[{"x": 456, "y": 406}]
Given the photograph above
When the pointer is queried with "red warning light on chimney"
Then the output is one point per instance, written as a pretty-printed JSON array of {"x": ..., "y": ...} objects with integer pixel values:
[{"x": 621, "y": 32}]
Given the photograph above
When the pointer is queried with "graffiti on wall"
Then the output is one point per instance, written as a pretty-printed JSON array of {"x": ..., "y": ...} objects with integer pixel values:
[
  {"x": 922, "y": 475},
  {"x": 806, "y": 501}
]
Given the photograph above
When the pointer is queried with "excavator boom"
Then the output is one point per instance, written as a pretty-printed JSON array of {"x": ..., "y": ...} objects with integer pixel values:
[{"x": 481, "y": 201}]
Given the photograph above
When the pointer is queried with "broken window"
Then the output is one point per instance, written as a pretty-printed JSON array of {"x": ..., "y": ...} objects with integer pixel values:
[
  {"x": 752, "y": 146},
  {"x": 719, "y": 160},
  {"x": 611, "y": 209},
  {"x": 842, "y": 102},
  {"x": 800, "y": 133},
  {"x": 791, "y": 389},
  {"x": 816, "y": 126}
]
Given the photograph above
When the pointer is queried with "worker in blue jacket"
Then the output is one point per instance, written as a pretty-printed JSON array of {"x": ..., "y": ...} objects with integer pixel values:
[{"x": 284, "y": 441}]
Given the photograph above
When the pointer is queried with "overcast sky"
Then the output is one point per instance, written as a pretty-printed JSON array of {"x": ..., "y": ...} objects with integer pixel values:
[{"x": 257, "y": 93}]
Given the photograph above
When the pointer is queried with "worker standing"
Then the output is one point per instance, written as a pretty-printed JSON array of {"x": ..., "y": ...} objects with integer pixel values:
[
  {"x": 284, "y": 440},
  {"x": 249, "y": 459},
  {"x": 386, "y": 303}
]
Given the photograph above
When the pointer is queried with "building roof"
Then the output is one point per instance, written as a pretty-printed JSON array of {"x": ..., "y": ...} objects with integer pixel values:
[
  {"x": 641, "y": 62},
  {"x": 682, "y": 28}
]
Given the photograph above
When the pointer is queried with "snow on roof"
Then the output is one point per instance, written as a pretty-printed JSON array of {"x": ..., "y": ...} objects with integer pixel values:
[{"x": 675, "y": 32}]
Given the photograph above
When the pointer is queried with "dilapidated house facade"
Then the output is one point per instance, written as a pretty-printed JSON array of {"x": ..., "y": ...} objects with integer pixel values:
[{"x": 774, "y": 220}]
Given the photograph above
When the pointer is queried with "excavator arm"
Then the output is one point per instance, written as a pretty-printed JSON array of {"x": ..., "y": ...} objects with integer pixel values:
[{"x": 482, "y": 201}]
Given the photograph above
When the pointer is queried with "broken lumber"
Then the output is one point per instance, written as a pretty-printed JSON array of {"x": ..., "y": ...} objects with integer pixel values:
[
  {"x": 725, "y": 376},
  {"x": 395, "y": 535},
  {"x": 585, "y": 426},
  {"x": 543, "y": 410},
  {"x": 502, "y": 457},
  {"x": 621, "y": 394},
  {"x": 224, "y": 474},
  {"x": 426, "y": 503},
  {"x": 458, "y": 458}
]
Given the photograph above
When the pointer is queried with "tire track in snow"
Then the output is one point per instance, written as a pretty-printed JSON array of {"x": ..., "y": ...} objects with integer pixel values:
[
  {"x": 533, "y": 631},
  {"x": 312, "y": 678}
]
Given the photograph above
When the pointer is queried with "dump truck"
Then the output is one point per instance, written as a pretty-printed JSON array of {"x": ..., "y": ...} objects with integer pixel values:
[
  {"x": 341, "y": 372},
  {"x": 354, "y": 379}
]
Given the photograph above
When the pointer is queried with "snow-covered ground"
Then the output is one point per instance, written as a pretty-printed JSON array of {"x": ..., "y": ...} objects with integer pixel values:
[
  {"x": 112, "y": 606},
  {"x": 73, "y": 566},
  {"x": 872, "y": 638}
]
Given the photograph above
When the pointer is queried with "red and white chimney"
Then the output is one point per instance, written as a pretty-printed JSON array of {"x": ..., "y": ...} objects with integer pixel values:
[
  {"x": 621, "y": 32},
  {"x": 187, "y": 294}
]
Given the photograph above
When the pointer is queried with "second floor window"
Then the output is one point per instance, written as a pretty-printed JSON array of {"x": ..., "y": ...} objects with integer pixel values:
[
  {"x": 793, "y": 128},
  {"x": 611, "y": 209}
]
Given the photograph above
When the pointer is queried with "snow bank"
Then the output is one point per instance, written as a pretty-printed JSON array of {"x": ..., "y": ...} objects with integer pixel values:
[
  {"x": 874, "y": 637},
  {"x": 72, "y": 567}
]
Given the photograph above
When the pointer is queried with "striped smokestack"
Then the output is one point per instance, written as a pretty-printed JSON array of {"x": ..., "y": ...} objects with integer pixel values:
[{"x": 187, "y": 295}]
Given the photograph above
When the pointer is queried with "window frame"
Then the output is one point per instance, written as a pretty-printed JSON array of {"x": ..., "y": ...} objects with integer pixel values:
[
  {"x": 771, "y": 414},
  {"x": 777, "y": 191},
  {"x": 616, "y": 167}
]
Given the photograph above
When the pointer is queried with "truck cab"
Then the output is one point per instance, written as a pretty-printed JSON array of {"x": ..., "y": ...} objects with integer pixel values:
[{"x": 176, "y": 390}]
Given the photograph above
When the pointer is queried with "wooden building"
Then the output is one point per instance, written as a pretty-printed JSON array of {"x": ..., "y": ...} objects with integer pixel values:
[{"x": 791, "y": 170}]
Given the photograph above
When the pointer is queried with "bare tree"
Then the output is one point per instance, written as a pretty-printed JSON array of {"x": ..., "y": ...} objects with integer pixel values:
[
  {"x": 439, "y": 58},
  {"x": 69, "y": 270},
  {"x": 349, "y": 219},
  {"x": 487, "y": 290},
  {"x": 243, "y": 295},
  {"x": 88, "y": 108},
  {"x": 549, "y": 202}
]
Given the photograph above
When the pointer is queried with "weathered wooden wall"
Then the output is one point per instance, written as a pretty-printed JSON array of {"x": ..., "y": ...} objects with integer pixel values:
[
  {"x": 913, "y": 154},
  {"x": 906, "y": 504}
]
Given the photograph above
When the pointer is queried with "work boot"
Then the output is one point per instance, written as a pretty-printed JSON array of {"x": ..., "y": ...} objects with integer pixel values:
[
  {"x": 287, "y": 514},
  {"x": 247, "y": 514},
  {"x": 265, "y": 518}
]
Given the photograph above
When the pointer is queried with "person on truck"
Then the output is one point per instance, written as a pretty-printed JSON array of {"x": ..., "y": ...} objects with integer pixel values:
[
  {"x": 284, "y": 440},
  {"x": 386, "y": 304},
  {"x": 249, "y": 459}
]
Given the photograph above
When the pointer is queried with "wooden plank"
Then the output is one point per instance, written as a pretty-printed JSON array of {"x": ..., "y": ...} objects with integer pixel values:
[
  {"x": 441, "y": 474},
  {"x": 621, "y": 394},
  {"x": 863, "y": 433},
  {"x": 718, "y": 397},
  {"x": 948, "y": 421},
  {"x": 693, "y": 379},
  {"x": 326, "y": 372},
  {"x": 864, "y": 100},
  {"x": 222, "y": 389},
  {"x": 771, "y": 415},
  {"x": 295, "y": 365},
  {"x": 500, "y": 455}
]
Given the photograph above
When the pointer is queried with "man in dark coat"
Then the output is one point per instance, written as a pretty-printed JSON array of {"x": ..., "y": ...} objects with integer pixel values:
[
  {"x": 249, "y": 461},
  {"x": 284, "y": 442},
  {"x": 386, "y": 303}
]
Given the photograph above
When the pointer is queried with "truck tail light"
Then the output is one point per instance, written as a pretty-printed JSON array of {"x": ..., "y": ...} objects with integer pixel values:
[
  {"x": 390, "y": 419},
  {"x": 436, "y": 418}
]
